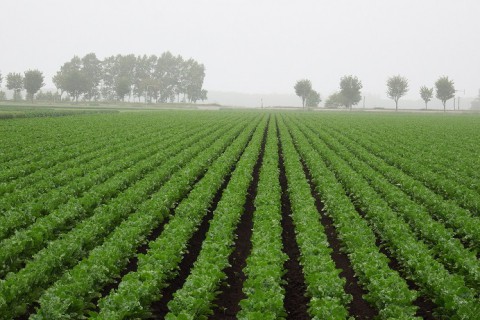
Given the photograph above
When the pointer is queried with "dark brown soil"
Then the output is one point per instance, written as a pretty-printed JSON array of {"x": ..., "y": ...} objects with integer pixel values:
[
  {"x": 358, "y": 307},
  {"x": 159, "y": 308},
  {"x": 425, "y": 305},
  {"x": 295, "y": 301},
  {"x": 227, "y": 302},
  {"x": 132, "y": 264}
]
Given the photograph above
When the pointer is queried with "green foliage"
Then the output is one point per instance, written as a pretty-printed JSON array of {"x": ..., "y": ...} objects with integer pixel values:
[
  {"x": 350, "y": 92},
  {"x": 80, "y": 195},
  {"x": 325, "y": 288},
  {"x": 159, "y": 79},
  {"x": 165, "y": 253},
  {"x": 194, "y": 299},
  {"x": 445, "y": 90},
  {"x": 3, "y": 95},
  {"x": 264, "y": 266},
  {"x": 426, "y": 94},
  {"x": 313, "y": 99},
  {"x": 122, "y": 87},
  {"x": 387, "y": 291},
  {"x": 47, "y": 96},
  {"x": 302, "y": 89},
  {"x": 335, "y": 100},
  {"x": 32, "y": 82},
  {"x": 397, "y": 87},
  {"x": 15, "y": 83}
]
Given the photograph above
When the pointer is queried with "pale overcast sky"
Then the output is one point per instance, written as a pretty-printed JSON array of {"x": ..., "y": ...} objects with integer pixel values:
[{"x": 261, "y": 46}]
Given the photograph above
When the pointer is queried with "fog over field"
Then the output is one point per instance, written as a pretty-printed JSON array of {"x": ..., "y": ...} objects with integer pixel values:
[{"x": 259, "y": 48}]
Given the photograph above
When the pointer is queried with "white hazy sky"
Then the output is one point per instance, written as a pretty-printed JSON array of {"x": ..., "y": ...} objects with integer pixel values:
[{"x": 261, "y": 46}]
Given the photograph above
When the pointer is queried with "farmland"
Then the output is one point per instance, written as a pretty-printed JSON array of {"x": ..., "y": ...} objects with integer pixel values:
[{"x": 240, "y": 214}]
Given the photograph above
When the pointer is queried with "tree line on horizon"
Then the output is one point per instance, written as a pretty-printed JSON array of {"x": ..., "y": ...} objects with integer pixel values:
[
  {"x": 350, "y": 92},
  {"x": 164, "y": 78}
]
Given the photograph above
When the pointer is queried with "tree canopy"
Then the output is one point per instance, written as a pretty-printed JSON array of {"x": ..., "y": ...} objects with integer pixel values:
[
  {"x": 313, "y": 99},
  {"x": 32, "y": 82},
  {"x": 426, "y": 94},
  {"x": 334, "y": 101},
  {"x": 302, "y": 89},
  {"x": 397, "y": 87},
  {"x": 445, "y": 90},
  {"x": 350, "y": 88},
  {"x": 161, "y": 78},
  {"x": 15, "y": 83}
]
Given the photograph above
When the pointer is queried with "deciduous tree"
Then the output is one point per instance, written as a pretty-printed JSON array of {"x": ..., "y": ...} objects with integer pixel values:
[
  {"x": 302, "y": 89},
  {"x": 122, "y": 87},
  {"x": 350, "y": 88},
  {"x": 334, "y": 101},
  {"x": 15, "y": 83},
  {"x": 92, "y": 69},
  {"x": 32, "y": 82},
  {"x": 445, "y": 90},
  {"x": 313, "y": 99},
  {"x": 397, "y": 87},
  {"x": 426, "y": 94}
]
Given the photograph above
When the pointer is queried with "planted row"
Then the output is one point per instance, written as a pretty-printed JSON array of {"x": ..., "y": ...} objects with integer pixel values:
[
  {"x": 23, "y": 244},
  {"x": 50, "y": 263},
  {"x": 325, "y": 287},
  {"x": 194, "y": 299},
  {"x": 460, "y": 220},
  {"x": 447, "y": 290},
  {"x": 449, "y": 189},
  {"x": 386, "y": 289},
  {"x": 45, "y": 179},
  {"x": 23, "y": 215},
  {"x": 73, "y": 293},
  {"x": 441, "y": 240},
  {"x": 263, "y": 289},
  {"x": 139, "y": 289}
]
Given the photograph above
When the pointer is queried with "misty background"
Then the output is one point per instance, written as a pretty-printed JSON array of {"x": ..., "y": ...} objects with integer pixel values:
[{"x": 255, "y": 50}]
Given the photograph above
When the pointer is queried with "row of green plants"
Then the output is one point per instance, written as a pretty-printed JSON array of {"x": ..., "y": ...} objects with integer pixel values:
[
  {"x": 446, "y": 187},
  {"x": 42, "y": 180},
  {"x": 71, "y": 296},
  {"x": 441, "y": 240},
  {"x": 30, "y": 140},
  {"x": 137, "y": 290},
  {"x": 441, "y": 163},
  {"x": 386, "y": 289},
  {"x": 49, "y": 113},
  {"x": 439, "y": 151},
  {"x": 52, "y": 177},
  {"x": 26, "y": 141},
  {"x": 17, "y": 170},
  {"x": 324, "y": 286},
  {"x": 27, "y": 212},
  {"x": 194, "y": 299},
  {"x": 447, "y": 291},
  {"x": 23, "y": 244},
  {"x": 461, "y": 221},
  {"x": 20, "y": 289},
  {"x": 264, "y": 269}
]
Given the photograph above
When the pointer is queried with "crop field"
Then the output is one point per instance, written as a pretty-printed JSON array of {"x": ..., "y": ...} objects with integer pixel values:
[{"x": 240, "y": 215}]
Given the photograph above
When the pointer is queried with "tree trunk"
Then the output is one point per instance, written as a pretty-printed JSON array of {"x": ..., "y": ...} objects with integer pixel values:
[
  {"x": 426, "y": 107},
  {"x": 396, "y": 105},
  {"x": 444, "y": 108}
]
